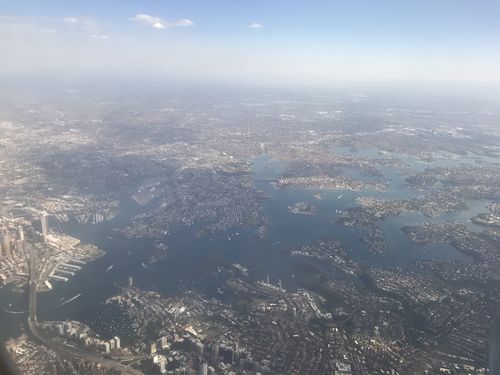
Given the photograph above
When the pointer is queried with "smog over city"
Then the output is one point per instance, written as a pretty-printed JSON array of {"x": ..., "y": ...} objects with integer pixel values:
[{"x": 265, "y": 187}]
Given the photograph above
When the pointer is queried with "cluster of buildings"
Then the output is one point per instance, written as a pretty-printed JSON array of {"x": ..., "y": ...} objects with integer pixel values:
[
  {"x": 84, "y": 209},
  {"x": 431, "y": 205},
  {"x": 13, "y": 250},
  {"x": 81, "y": 334},
  {"x": 206, "y": 336},
  {"x": 463, "y": 180},
  {"x": 459, "y": 236},
  {"x": 360, "y": 218},
  {"x": 12, "y": 242},
  {"x": 227, "y": 200},
  {"x": 60, "y": 256},
  {"x": 187, "y": 354},
  {"x": 339, "y": 182},
  {"x": 30, "y": 357}
]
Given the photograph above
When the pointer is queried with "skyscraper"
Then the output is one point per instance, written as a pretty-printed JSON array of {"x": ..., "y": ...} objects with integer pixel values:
[
  {"x": 215, "y": 353},
  {"x": 163, "y": 342},
  {"x": 162, "y": 364},
  {"x": 20, "y": 230},
  {"x": 45, "y": 224},
  {"x": 20, "y": 247},
  {"x": 6, "y": 243},
  {"x": 204, "y": 369},
  {"x": 117, "y": 342}
]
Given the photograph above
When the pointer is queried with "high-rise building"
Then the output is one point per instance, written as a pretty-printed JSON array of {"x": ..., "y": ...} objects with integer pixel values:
[
  {"x": 45, "y": 224},
  {"x": 163, "y": 342},
  {"x": 20, "y": 247},
  {"x": 6, "y": 243},
  {"x": 199, "y": 347},
  {"x": 20, "y": 230},
  {"x": 163, "y": 364},
  {"x": 204, "y": 369},
  {"x": 152, "y": 348},
  {"x": 117, "y": 342},
  {"x": 3, "y": 231},
  {"x": 215, "y": 353},
  {"x": 227, "y": 354}
]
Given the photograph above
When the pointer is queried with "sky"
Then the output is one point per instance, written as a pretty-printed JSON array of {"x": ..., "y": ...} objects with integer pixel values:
[{"x": 262, "y": 41}]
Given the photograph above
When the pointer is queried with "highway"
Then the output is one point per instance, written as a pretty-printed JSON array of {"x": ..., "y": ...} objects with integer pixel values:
[{"x": 58, "y": 347}]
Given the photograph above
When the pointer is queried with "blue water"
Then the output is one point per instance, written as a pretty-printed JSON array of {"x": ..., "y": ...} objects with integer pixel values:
[{"x": 189, "y": 258}]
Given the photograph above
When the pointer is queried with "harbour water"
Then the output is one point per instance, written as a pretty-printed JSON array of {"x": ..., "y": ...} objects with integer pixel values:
[{"x": 189, "y": 257}]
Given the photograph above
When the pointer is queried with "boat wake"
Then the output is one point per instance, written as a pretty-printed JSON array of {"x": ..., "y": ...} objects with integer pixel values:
[
  {"x": 14, "y": 312},
  {"x": 71, "y": 299}
]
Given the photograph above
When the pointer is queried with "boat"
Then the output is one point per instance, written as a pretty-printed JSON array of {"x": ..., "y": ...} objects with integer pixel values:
[{"x": 14, "y": 312}]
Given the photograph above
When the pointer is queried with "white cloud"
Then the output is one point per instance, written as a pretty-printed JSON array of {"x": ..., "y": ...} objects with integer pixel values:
[
  {"x": 99, "y": 36},
  {"x": 70, "y": 20},
  {"x": 10, "y": 25},
  {"x": 47, "y": 31},
  {"x": 87, "y": 24},
  {"x": 255, "y": 25},
  {"x": 84, "y": 22},
  {"x": 146, "y": 19},
  {"x": 159, "y": 23},
  {"x": 182, "y": 22}
]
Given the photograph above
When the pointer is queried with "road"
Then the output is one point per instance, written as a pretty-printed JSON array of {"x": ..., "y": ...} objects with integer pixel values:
[{"x": 58, "y": 347}]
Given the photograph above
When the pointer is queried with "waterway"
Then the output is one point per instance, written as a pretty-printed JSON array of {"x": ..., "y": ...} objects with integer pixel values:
[{"x": 189, "y": 257}]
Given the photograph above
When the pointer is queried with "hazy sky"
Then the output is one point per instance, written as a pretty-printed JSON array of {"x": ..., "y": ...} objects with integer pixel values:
[{"x": 309, "y": 41}]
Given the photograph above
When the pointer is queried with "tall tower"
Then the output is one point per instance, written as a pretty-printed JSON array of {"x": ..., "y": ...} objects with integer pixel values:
[
  {"x": 6, "y": 243},
  {"x": 152, "y": 348},
  {"x": 215, "y": 353},
  {"x": 20, "y": 248},
  {"x": 20, "y": 230},
  {"x": 204, "y": 369},
  {"x": 117, "y": 342},
  {"x": 1, "y": 242},
  {"x": 45, "y": 224},
  {"x": 163, "y": 342},
  {"x": 8, "y": 250}
]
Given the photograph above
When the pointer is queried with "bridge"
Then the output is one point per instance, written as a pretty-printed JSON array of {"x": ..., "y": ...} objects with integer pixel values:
[{"x": 59, "y": 347}]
